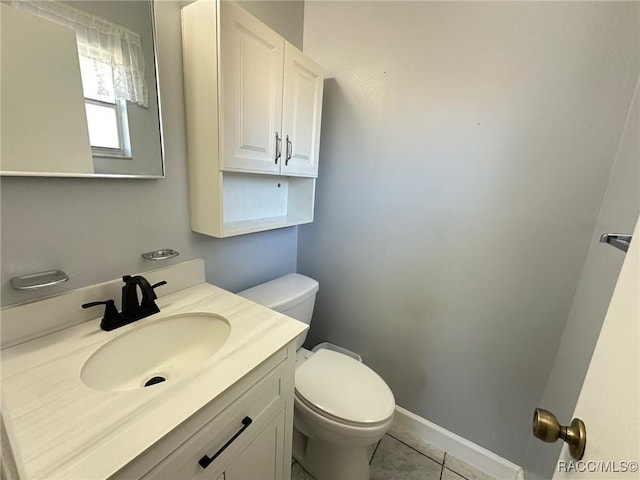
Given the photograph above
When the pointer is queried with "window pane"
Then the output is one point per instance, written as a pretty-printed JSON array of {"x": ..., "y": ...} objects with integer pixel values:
[{"x": 103, "y": 126}]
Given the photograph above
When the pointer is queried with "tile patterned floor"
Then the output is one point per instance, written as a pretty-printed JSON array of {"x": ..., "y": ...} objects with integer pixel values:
[{"x": 400, "y": 456}]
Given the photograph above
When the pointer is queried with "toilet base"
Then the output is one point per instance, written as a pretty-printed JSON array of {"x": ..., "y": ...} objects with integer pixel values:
[{"x": 330, "y": 462}]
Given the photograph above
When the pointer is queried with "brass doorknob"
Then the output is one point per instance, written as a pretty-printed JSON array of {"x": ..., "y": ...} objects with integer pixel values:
[{"x": 547, "y": 428}]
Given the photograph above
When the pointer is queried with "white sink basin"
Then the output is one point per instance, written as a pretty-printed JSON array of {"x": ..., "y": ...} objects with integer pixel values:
[{"x": 156, "y": 353}]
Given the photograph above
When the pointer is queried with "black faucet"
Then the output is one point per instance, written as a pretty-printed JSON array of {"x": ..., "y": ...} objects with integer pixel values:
[{"x": 132, "y": 308}]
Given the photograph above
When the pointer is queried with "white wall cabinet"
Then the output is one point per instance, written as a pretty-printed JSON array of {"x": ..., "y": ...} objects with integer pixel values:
[
  {"x": 261, "y": 450},
  {"x": 253, "y": 106}
]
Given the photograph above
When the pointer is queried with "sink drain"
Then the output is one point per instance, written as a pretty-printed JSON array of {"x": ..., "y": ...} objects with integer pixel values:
[{"x": 154, "y": 381}]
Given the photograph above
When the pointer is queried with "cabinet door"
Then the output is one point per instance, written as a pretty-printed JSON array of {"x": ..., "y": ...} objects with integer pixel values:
[
  {"x": 302, "y": 112},
  {"x": 263, "y": 458},
  {"x": 251, "y": 92}
]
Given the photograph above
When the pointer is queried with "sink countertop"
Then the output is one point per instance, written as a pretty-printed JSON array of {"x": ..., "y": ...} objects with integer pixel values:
[{"x": 64, "y": 429}]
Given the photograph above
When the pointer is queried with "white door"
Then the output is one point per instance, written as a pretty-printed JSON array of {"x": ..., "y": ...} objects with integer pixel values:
[
  {"x": 251, "y": 59},
  {"x": 609, "y": 403},
  {"x": 301, "y": 113}
]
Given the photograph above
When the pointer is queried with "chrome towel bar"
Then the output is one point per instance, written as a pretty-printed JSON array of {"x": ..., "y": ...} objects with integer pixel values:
[{"x": 34, "y": 281}]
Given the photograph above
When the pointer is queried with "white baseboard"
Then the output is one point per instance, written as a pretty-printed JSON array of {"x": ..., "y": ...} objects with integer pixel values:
[{"x": 464, "y": 450}]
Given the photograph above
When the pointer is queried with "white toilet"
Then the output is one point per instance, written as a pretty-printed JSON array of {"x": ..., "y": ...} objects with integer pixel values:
[{"x": 341, "y": 406}]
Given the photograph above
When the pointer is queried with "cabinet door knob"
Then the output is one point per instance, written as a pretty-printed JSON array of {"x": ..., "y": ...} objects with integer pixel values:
[
  {"x": 278, "y": 147},
  {"x": 289, "y": 151},
  {"x": 205, "y": 461}
]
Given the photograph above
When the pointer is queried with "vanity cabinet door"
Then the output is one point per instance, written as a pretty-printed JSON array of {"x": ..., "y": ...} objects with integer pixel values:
[
  {"x": 251, "y": 86},
  {"x": 264, "y": 458},
  {"x": 243, "y": 429},
  {"x": 301, "y": 113}
]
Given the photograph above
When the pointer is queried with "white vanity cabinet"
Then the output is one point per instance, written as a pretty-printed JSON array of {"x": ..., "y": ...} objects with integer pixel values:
[
  {"x": 253, "y": 107},
  {"x": 258, "y": 450},
  {"x": 62, "y": 426}
]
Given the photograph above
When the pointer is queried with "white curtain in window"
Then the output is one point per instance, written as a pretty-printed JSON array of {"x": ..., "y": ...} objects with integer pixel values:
[{"x": 100, "y": 43}]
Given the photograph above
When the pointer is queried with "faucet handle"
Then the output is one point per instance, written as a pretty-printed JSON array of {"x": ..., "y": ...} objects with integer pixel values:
[
  {"x": 110, "y": 304},
  {"x": 111, "y": 314},
  {"x": 149, "y": 297}
]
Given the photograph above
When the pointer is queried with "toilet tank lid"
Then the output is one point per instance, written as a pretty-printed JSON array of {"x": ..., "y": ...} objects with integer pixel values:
[{"x": 283, "y": 292}]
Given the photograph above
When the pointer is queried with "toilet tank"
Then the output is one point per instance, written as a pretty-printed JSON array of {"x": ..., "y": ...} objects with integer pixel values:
[{"x": 293, "y": 295}]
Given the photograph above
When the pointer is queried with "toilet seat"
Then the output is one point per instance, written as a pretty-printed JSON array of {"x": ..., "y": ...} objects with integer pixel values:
[
  {"x": 304, "y": 403},
  {"x": 343, "y": 389}
]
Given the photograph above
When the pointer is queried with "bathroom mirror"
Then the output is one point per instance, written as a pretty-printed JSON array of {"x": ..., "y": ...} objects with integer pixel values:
[{"x": 79, "y": 90}]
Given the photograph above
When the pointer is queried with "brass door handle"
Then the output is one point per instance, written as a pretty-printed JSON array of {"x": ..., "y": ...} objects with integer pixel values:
[{"x": 547, "y": 428}]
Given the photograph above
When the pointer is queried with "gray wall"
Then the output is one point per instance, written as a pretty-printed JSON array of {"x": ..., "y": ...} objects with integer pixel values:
[
  {"x": 284, "y": 16},
  {"x": 465, "y": 152},
  {"x": 618, "y": 214},
  {"x": 96, "y": 229}
]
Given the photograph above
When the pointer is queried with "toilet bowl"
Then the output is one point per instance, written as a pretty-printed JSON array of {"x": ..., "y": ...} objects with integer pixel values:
[{"x": 341, "y": 406}]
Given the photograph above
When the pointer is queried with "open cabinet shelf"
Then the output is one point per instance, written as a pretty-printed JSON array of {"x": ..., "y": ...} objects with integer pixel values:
[{"x": 252, "y": 203}]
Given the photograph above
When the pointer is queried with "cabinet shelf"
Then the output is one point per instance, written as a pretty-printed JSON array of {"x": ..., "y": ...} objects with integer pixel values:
[
  {"x": 255, "y": 202},
  {"x": 260, "y": 224}
]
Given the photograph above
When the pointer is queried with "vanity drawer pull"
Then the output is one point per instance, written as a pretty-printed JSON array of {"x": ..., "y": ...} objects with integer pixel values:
[{"x": 206, "y": 461}]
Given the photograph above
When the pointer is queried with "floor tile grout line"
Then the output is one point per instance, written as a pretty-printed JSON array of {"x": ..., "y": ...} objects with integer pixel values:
[
  {"x": 374, "y": 451},
  {"x": 457, "y": 473},
  {"x": 444, "y": 461},
  {"x": 442, "y": 465},
  {"x": 423, "y": 454},
  {"x": 305, "y": 470}
]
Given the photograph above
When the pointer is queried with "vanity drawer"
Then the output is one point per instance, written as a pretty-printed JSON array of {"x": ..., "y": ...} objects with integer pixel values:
[{"x": 225, "y": 435}]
